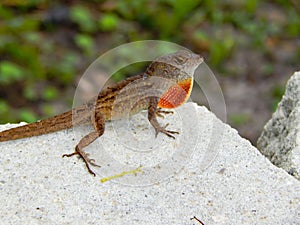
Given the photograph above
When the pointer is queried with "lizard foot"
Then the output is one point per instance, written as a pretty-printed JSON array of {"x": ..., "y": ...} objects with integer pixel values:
[
  {"x": 86, "y": 159},
  {"x": 164, "y": 131}
]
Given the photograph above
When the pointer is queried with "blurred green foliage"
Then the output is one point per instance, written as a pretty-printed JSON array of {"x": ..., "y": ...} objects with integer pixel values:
[
  {"x": 10, "y": 72},
  {"x": 82, "y": 16},
  {"x": 277, "y": 93},
  {"x": 85, "y": 43},
  {"x": 238, "y": 119},
  {"x": 45, "y": 45},
  {"x": 108, "y": 22}
]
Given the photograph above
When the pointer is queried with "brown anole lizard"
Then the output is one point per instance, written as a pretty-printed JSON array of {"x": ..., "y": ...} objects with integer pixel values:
[{"x": 115, "y": 102}]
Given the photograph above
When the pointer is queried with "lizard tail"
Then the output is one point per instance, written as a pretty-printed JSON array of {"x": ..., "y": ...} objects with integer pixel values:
[{"x": 56, "y": 123}]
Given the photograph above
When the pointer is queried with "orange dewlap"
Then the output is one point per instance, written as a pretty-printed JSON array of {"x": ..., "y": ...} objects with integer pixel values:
[{"x": 176, "y": 95}]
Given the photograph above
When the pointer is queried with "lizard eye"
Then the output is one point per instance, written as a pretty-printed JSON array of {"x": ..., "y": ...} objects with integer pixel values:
[{"x": 180, "y": 60}]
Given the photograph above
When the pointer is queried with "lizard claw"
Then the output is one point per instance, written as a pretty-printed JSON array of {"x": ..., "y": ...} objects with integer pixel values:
[
  {"x": 85, "y": 158},
  {"x": 159, "y": 113},
  {"x": 164, "y": 131},
  {"x": 69, "y": 155},
  {"x": 92, "y": 162}
]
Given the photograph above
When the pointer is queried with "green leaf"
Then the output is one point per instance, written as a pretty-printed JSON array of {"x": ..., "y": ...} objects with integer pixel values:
[
  {"x": 108, "y": 22},
  {"x": 27, "y": 116},
  {"x": 82, "y": 16},
  {"x": 86, "y": 43},
  {"x": 10, "y": 72},
  {"x": 50, "y": 93}
]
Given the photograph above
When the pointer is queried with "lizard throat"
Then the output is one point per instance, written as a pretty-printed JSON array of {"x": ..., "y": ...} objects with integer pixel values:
[{"x": 176, "y": 95}]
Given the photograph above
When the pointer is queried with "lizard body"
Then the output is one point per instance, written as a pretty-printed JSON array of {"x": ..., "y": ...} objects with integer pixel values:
[{"x": 167, "y": 82}]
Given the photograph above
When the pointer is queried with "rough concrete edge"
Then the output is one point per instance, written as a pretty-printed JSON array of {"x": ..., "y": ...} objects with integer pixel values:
[{"x": 283, "y": 156}]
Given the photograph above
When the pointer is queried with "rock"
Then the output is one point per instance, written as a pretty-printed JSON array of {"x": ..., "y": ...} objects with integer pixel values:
[
  {"x": 214, "y": 175},
  {"x": 280, "y": 139}
]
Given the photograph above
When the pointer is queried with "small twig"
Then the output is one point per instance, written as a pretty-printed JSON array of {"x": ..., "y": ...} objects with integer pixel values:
[{"x": 195, "y": 218}]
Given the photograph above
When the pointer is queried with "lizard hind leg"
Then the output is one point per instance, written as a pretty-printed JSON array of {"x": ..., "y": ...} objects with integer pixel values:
[{"x": 99, "y": 125}]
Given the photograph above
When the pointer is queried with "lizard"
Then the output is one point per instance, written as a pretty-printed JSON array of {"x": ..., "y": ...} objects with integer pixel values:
[{"x": 117, "y": 101}]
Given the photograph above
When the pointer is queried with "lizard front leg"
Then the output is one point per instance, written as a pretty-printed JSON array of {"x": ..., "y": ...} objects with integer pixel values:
[
  {"x": 99, "y": 126},
  {"x": 153, "y": 111}
]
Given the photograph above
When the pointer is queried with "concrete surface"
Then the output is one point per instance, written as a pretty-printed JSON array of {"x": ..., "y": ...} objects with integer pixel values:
[
  {"x": 217, "y": 176},
  {"x": 280, "y": 139}
]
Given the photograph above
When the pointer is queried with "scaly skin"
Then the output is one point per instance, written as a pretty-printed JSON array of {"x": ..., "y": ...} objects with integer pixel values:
[{"x": 166, "y": 83}]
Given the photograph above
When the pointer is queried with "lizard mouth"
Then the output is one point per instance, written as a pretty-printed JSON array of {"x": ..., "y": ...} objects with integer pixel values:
[{"x": 176, "y": 95}]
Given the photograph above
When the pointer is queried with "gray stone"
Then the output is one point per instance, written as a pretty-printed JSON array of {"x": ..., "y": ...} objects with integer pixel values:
[
  {"x": 280, "y": 138},
  {"x": 220, "y": 178}
]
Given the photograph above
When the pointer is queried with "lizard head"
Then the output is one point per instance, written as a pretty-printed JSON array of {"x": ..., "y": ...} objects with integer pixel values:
[
  {"x": 179, "y": 67},
  {"x": 182, "y": 61},
  {"x": 176, "y": 66}
]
